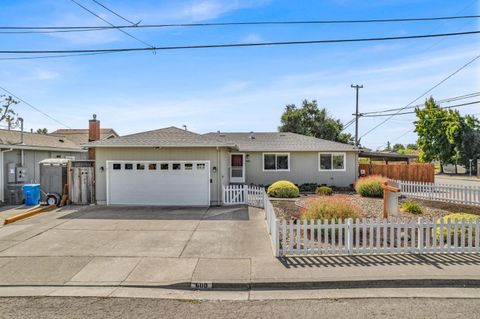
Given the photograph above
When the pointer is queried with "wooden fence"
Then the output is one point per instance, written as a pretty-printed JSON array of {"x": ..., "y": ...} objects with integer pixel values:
[
  {"x": 417, "y": 172},
  {"x": 243, "y": 194},
  {"x": 374, "y": 236},
  {"x": 460, "y": 194}
]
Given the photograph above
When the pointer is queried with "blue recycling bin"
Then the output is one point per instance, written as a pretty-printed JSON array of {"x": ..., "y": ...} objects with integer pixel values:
[{"x": 31, "y": 193}]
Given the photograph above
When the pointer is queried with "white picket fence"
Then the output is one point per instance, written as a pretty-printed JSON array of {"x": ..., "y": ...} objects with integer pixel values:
[
  {"x": 243, "y": 195},
  {"x": 272, "y": 223},
  {"x": 467, "y": 195},
  {"x": 373, "y": 236}
]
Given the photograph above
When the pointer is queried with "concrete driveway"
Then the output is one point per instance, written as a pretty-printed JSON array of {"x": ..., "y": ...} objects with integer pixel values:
[{"x": 134, "y": 245}]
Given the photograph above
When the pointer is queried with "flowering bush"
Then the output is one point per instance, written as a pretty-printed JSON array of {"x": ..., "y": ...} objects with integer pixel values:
[{"x": 329, "y": 208}]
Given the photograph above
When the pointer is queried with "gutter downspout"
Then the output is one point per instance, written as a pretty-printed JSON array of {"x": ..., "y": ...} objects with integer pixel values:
[
  {"x": 2, "y": 175},
  {"x": 22, "y": 156},
  {"x": 219, "y": 183}
]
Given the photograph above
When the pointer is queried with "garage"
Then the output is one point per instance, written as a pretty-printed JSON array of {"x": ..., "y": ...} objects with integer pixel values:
[{"x": 165, "y": 183}]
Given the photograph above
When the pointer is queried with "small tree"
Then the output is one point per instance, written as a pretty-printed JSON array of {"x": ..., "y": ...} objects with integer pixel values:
[
  {"x": 7, "y": 114},
  {"x": 398, "y": 147},
  {"x": 42, "y": 131}
]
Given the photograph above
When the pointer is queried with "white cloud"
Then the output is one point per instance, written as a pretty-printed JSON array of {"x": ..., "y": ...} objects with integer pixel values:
[
  {"x": 210, "y": 9},
  {"x": 44, "y": 74},
  {"x": 252, "y": 37}
]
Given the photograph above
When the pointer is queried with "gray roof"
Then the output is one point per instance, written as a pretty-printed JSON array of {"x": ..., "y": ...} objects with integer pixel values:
[
  {"x": 80, "y": 136},
  {"x": 12, "y": 139},
  {"x": 165, "y": 137},
  {"x": 285, "y": 142}
]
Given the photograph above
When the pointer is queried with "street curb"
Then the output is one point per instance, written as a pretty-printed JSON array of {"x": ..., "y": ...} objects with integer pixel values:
[{"x": 299, "y": 285}]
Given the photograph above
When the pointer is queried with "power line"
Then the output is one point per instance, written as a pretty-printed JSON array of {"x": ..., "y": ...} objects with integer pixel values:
[
  {"x": 425, "y": 93},
  {"x": 135, "y": 25},
  {"x": 451, "y": 99},
  {"x": 412, "y": 112},
  {"x": 233, "y": 45},
  {"x": 53, "y": 56},
  {"x": 112, "y": 25},
  {"x": 35, "y": 108},
  {"x": 115, "y": 13}
]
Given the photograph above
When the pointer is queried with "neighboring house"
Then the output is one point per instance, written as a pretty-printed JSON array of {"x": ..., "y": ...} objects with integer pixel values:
[
  {"x": 20, "y": 154},
  {"x": 82, "y": 136},
  {"x": 172, "y": 166}
]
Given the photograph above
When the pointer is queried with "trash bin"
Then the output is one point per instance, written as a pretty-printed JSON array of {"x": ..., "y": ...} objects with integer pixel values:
[{"x": 31, "y": 193}]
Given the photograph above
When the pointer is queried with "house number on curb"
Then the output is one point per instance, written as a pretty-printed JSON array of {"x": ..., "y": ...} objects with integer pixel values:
[{"x": 201, "y": 285}]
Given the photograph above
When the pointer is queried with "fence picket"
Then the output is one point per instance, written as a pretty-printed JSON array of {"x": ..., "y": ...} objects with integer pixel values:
[
  {"x": 467, "y": 195},
  {"x": 312, "y": 237},
  {"x": 333, "y": 236}
]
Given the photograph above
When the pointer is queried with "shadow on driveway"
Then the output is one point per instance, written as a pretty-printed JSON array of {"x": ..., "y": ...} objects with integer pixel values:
[{"x": 158, "y": 213}]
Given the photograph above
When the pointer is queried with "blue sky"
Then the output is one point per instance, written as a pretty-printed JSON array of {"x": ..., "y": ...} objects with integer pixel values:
[{"x": 236, "y": 89}]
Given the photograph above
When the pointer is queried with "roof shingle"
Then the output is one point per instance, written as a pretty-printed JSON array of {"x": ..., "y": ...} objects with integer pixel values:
[
  {"x": 36, "y": 141},
  {"x": 80, "y": 136},
  {"x": 165, "y": 137},
  {"x": 285, "y": 142}
]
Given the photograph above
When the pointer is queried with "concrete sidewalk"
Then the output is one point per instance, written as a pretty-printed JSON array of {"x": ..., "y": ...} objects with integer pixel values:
[{"x": 228, "y": 247}]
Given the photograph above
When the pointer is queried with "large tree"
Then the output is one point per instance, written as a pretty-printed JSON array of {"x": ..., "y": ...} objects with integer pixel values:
[
  {"x": 437, "y": 130},
  {"x": 468, "y": 142},
  {"x": 310, "y": 120}
]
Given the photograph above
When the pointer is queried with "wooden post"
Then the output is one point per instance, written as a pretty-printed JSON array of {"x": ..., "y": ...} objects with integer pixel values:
[{"x": 386, "y": 189}]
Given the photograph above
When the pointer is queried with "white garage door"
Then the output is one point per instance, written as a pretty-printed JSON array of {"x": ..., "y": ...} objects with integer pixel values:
[{"x": 169, "y": 183}]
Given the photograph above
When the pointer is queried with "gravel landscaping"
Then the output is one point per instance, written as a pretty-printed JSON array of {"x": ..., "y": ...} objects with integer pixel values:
[{"x": 372, "y": 207}]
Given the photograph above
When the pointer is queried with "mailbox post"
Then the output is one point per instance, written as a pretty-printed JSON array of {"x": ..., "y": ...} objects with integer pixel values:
[{"x": 390, "y": 199}]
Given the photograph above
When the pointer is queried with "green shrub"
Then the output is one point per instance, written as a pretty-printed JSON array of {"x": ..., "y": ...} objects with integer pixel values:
[
  {"x": 283, "y": 189},
  {"x": 329, "y": 208},
  {"x": 459, "y": 217},
  {"x": 411, "y": 207},
  {"x": 370, "y": 186},
  {"x": 324, "y": 191}
]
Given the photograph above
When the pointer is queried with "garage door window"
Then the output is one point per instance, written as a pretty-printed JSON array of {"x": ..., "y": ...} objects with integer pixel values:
[
  {"x": 200, "y": 166},
  {"x": 129, "y": 166},
  {"x": 164, "y": 167},
  {"x": 188, "y": 166},
  {"x": 117, "y": 166},
  {"x": 176, "y": 166},
  {"x": 140, "y": 167},
  {"x": 152, "y": 166}
]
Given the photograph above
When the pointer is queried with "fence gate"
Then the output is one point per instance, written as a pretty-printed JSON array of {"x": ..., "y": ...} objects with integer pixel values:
[
  {"x": 243, "y": 194},
  {"x": 82, "y": 182}
]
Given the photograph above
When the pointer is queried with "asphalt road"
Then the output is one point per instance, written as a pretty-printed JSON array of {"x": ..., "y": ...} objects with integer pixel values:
[
  {"x": 92, "y": 308},
  {"x": 443, "y": 179}
]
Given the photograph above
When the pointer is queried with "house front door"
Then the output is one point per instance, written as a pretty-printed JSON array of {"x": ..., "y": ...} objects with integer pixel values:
[{"x": 237, "y": 168}]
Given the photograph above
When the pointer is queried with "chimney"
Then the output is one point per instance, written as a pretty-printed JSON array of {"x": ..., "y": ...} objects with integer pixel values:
[
  {"x": 93, "y": 129},
  {"x": 93, "y": 135}
]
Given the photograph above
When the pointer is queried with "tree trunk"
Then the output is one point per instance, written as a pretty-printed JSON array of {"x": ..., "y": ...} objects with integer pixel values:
[
  {"x": 441, "y": 167},
  {"x": 456, "y": 169}
]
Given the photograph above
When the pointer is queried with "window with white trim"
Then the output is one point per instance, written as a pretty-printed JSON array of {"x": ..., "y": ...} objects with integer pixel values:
[
  {"x": 331, "y": 161},
  {"x": 276, "y": 162}
]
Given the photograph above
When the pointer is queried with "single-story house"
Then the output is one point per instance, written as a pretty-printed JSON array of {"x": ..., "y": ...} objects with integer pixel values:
[
  {"x": 20, "y": 154},
  {"x": 171, "y": 166}
]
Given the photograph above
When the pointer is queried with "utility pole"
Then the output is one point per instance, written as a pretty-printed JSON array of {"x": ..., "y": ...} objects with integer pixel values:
[{"x": 357, "y": 115}]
